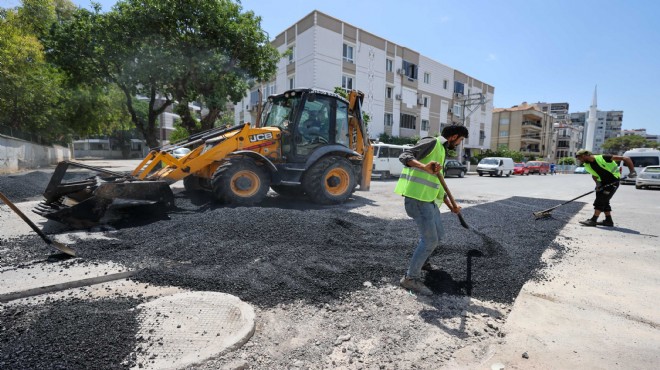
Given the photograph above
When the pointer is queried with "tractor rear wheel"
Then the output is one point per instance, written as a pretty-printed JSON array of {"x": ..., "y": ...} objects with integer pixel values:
[
  {"x": 240, "y": 181},
  {"x": 331, "y": 180}
]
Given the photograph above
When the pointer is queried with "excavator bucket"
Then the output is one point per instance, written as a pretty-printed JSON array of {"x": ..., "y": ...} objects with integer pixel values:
[{"x": 84, "y": 203}]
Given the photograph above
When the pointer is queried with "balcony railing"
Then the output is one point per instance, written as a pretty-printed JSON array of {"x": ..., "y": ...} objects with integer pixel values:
[{"x": 532, "y": 124}]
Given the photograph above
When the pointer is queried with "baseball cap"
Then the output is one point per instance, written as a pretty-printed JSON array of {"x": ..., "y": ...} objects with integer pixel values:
[{"x": 582, "y": 152}]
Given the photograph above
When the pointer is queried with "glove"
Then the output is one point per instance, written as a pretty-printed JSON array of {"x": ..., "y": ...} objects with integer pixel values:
[{"x": 632, "y": 175}]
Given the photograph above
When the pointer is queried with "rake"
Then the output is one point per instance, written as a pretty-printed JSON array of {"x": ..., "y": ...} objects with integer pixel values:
[{"x": 546, "y": 212}]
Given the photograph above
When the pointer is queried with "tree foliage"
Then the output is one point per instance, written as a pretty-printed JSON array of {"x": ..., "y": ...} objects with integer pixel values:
[
  {"x": 618, "y": 145},
  {"x": 30, "y": 89},
  {"x": 502, "y": 151},
  {"x": 164, "y": 51}
]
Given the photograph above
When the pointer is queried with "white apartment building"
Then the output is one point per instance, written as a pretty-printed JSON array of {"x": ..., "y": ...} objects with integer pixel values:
[
  {"x": 607, "y": 125},
  {"x": 406, "y": 93}
]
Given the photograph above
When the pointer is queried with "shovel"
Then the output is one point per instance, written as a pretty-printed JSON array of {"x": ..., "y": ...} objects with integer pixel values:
[
  {"x": 492, "y": 247},
  {"x": 61, "y": 247}
]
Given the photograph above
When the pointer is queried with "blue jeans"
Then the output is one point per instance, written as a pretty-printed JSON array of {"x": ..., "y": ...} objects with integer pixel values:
[{"x": 427, "y": 218}]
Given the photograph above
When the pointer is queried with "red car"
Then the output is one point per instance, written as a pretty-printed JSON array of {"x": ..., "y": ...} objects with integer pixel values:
[{"x": 520, "y": 169}]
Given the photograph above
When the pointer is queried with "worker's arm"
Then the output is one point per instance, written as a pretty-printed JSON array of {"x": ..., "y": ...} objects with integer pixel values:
[
  {"x": 629, "y": 163},
  {"x": 411, "y": 156},
  {"x": 447, "y": 201}
]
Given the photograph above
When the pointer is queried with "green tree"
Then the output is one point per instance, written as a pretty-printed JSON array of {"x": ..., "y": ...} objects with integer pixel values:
[
  {"x": 502, "y": 151},
  {"x": 566, "y": 160},
  {"x": 618, "y": 145},
  {"x": 163, "y": 51},
  {"x": 30, "y": 89}
]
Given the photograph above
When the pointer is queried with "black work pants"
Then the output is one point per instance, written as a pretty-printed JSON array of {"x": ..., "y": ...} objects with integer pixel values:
[{"x": 602, "y": 202}]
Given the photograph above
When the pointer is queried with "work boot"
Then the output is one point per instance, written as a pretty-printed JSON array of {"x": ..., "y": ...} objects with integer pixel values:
[
  {"x": 589, "y": 222},
  {"x": 416, "y": 285},
  {"x": 609, "y": 223},
  {"x": 428, "y": 266}
]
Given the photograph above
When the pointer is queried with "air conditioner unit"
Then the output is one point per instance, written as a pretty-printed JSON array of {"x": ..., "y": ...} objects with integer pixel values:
[
  {"x": 449, "y": 111},
  {"x": 398, "y": 97},
  {"x": 420, "y": 101},
  {"x": 458, "y": 96},
  {"x": 401, "y": 71}
]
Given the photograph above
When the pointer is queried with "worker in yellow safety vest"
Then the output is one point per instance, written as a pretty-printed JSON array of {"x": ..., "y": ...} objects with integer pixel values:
[
  {"x": 605, "y": 172},
  {"x": 423, "y": 194}
]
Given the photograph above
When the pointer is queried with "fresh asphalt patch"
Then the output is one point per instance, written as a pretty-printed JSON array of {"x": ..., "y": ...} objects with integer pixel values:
[{"x": 283, "y": 251}]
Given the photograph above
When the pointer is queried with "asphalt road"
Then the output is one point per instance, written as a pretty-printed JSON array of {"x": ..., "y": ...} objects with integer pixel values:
[{"x": 595, "y": 306}]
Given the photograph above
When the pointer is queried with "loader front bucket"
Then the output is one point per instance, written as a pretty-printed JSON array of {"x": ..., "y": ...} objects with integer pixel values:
[{"x": 83, "y": 204}]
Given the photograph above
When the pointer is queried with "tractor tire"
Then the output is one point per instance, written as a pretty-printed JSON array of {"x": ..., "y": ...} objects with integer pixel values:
[
  {"x": 240, "y": 181},
  {"x": 287, "y": 190},
  {"x": 331, "y": 180},
  {"x": 191, "y": 184}
]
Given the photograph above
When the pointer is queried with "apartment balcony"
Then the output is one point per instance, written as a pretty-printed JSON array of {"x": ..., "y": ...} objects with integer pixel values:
[
  {"x": 532, "y": 125},
  {"x": 530, "y": 138}
]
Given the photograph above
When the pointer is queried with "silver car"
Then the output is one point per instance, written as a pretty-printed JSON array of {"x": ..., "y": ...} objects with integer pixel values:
[{"x": 648, "y": 177}]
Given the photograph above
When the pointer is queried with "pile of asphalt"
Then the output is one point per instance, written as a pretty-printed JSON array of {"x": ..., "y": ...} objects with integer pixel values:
[
  {"x": 272, "y": 255},
  {"x": 69, "y": 334}
]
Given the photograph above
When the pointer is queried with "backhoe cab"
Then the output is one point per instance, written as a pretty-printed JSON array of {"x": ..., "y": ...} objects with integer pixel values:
[{"x": 310, "y": 141}]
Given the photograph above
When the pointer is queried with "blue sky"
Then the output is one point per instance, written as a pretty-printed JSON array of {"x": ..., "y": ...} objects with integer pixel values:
[{"x": 529, "y": 50}]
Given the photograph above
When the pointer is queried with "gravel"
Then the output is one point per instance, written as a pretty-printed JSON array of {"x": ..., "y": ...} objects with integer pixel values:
[{"x": 324, "y": 280}]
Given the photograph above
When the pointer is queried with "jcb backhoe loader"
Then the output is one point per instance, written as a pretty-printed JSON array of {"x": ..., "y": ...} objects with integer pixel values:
[{"x": 309, "y": 141}]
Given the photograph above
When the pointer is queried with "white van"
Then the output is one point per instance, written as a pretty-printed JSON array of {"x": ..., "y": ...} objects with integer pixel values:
[
  {"x": 495, "y": 166},
  {"x": 386, "y": 160},
  {"x": 641, "y": 157}
]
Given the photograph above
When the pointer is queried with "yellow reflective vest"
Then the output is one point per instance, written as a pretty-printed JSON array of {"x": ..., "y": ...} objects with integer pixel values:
[
  {"x": 610, "y": 166},
  {"x": 418, "y": 184}
]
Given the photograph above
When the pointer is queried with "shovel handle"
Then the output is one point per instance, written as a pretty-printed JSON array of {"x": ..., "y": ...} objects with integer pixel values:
[
  {"x": 452, "y": 200},
  {"x": 34, "y": 227}
]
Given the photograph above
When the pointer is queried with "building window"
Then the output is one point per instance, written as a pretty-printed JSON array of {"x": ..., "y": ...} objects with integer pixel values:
[
  {"x": 426, "y": 101},
  {"x": 347, "y": 82},
  {"x": 388, "y": 92},
  {"x": 292, "y": 83},
  {"x": 292, "y": 54},
  {"x": 389, "y": 65},
  {"x": 457, "y": 110},
  {"x": 427, "y": 78},
  {"x": 389, "y": 120},
  {"x": 459, "y": 87},
  {"x": 444, "y": 84},
  {"x": 410, "y": 70},
  {"x": 348, "y": 53},
  {"x": 408, "y": 121},
  {"x": 425, "y": 125},
  {"x": 504, "y": 133},
  {"x": 504, "y": 121}
]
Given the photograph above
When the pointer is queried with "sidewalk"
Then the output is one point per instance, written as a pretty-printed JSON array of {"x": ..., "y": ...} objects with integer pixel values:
[{"x": 597, "y": 308}]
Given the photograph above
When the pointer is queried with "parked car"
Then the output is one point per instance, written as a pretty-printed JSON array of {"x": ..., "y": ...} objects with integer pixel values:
[
  {"x": 455, "y": 168},
  {"x": 649, "y": 177},
  {"x": 495, "y": 166},
  {"x": 386, "y": 160},
  {"x": 580, "y": 169},
  {"x": 540, "y": 167},
  {"x": 180, "y": 152},
  {"x": 520, "y": 169}
]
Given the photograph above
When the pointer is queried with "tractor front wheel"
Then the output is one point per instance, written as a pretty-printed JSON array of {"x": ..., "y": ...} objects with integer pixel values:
[
  {"x": 331, "y": 180},
  {"x": 240, "y": 181}
]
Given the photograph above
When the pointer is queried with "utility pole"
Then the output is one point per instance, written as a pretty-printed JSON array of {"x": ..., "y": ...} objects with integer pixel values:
[{"x": 469, "y": 104}]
